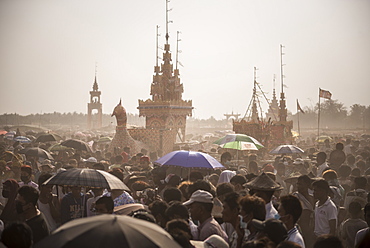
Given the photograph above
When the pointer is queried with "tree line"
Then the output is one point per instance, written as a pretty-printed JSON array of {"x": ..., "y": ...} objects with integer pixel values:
[{"x": 333, "y": 114}]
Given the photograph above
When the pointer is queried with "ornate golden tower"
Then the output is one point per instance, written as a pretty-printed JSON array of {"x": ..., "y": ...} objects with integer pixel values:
[
  {"x": 94, "y": 120},
  {"x": 166, "y": 110}
]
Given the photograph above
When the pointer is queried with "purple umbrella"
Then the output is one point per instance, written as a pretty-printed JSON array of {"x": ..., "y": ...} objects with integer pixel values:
[{"x": 190, "y": 159}]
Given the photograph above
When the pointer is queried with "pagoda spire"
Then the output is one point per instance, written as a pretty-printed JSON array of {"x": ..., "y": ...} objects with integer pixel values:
[
  {"x": 282, "y": 111},
  {"x": 95, "y": 85}
]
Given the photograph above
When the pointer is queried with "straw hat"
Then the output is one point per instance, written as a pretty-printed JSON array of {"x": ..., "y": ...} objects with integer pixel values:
[{"x": 263, "y": 182}]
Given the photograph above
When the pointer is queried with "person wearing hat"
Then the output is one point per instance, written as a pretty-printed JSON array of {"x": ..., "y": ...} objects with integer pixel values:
[
  {"x": 264, "y": 187},
  {"x": 200, "y": 207},
  {"x": 46, "y": 166},
  {"x": 26, "y": 174},
  {"x": 90, "y": 162}
]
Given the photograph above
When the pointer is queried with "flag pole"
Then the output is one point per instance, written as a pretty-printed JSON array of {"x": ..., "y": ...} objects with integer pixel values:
[
  {"x": 299, "y": 129},
  {"x": 318, "y": 119}
]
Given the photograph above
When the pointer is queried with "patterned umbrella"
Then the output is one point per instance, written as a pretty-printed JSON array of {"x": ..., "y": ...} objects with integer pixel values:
[
  {"x": 22, "y": 139},
  {"x": 238, "y": 137},
  {"x": 286, "y": 149},
  {"x": 87, "y": 178},
  {"x": 76, "y": 144},
  {"x": 190, "y": 159},
  {"x": 10, "y": 135},
  {"x": 36, "y": 152},
  {"x": 108, "y": 230}
]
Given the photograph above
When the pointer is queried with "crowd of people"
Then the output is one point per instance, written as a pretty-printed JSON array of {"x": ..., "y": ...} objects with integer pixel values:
[{"x": 318, "y": 199}]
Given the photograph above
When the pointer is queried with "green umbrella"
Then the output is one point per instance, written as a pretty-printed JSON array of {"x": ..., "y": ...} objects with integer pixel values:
[
  {"x": 241, "y": 146},
  {"x": 238, "y": 137}
]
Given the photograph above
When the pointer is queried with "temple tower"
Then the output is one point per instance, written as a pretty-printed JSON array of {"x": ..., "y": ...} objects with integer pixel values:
[
  {"x": 166, "y": 110},
  {"x": 273, "y": 111},
  {"x": 94, "y": 120}
]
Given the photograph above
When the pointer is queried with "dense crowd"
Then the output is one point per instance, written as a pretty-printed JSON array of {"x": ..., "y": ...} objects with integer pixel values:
[{"x": 317, "y": 199}]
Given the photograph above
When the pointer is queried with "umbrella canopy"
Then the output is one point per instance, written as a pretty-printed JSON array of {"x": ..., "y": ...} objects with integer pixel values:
[
  {"x": 9, "y": 135},
  {"x": 48, "y": 137},
  {"x": 76, "y": 144},
  {"x": 87, "y": 178},
  {"x": 238, "y": 137},
  {"x": 108, "y": 231},
  {"x": 104, "y": 140},
  {"x": 240, "y": 145},
  {"x": 190, "y": 159},
  {"x": 3, "y": 132},
  {"x": 22, "y": 139},
  {"x": 36, "y": 152},
  {"x": 58, "y": 148},
  {"x": 321, "y": 139},
  {"x": 286, "y": 149}
]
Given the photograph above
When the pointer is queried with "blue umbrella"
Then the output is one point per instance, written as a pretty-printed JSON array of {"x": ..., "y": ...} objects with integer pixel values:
[
  {"x": 286, "y": 149},
  {"x": 22, "y": 139},
  {"x": 190, "y": 159}
]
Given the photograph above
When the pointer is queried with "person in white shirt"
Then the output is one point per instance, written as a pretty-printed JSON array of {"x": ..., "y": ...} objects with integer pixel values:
[
  {"x": 289, "y": 211},
  {"x": 321, "y": 163},
  {"x": 325, "y": 210},
  {"x": 26, "y": 174}
]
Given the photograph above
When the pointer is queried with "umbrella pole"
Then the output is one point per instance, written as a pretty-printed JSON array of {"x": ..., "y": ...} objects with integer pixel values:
[{"x": 189, "y": 174}]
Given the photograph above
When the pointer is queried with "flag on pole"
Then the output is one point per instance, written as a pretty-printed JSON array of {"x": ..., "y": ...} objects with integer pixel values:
[
  {"x": 299, "y": 107},
  {"x": 325, "y": 94}
]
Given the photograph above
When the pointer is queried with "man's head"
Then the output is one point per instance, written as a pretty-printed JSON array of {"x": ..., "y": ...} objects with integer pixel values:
[
  {"x": 321, "y": 158},
  {"x": 238, "y": 181},
  {"x": 158, "y": 209},
  {"x": 26, "y": 199},
  {"x": 320, "y": 189},
  {"x": 223, "y": 189},
  {"x": 351, "y": 159},
  {"x": 274, "y": 229},
  {"x": 177, "y": 211},
  {"x": 42, "y": 179},
  {"x": 104, "y": 205},
  {"x": 230, "y": 209},
  {"x": 17, "y": 235},
  {"x": 252, "y": 207},
  {"x": 339, "y": 146},
  {"x": 26, "y": 173},
  {"x": 360, "y": 182},
  {"x": 355, "y": 210},
  {"x": 172, "y": 194},
  {"x": 200, "y": 204},
  {"x": 289, "y": 210},
  {"x": 303, "y": 183},
  {"x": 328, "y": 241}
]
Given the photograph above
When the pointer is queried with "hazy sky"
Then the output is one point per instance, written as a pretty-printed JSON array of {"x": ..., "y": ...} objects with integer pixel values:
[{"x": 48, "y": 51}]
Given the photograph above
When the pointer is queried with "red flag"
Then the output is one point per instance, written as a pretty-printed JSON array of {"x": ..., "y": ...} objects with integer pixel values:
[
  {"x": 299, "y": 107},
  {"x": 325, "y": 94}
]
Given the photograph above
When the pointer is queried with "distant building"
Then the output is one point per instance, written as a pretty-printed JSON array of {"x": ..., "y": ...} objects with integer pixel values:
[{"x": 94, "y": 119}]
